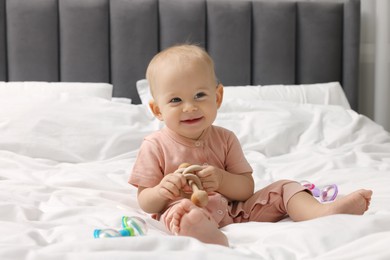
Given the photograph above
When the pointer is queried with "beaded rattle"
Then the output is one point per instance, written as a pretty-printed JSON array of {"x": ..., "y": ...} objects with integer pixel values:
[
  {"x": 327, "y": 193},
  {"x": 199, "y": 197}
]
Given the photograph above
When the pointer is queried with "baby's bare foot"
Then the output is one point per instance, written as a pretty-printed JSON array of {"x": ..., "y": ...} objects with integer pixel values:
[
  {"x": 190, "y": 220},
  {"x": 355, "y": 203}
]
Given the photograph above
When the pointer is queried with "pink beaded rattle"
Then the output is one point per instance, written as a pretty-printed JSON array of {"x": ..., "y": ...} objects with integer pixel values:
[
  {"x": 327, "y": 193},
  {"x": 199, "y": 197}
]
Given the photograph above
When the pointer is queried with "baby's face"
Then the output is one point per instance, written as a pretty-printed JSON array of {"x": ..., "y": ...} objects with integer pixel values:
[{"x": 186, "y": 98}]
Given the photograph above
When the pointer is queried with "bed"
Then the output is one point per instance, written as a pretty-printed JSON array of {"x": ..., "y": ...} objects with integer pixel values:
[{"x": 73, "y": 113}]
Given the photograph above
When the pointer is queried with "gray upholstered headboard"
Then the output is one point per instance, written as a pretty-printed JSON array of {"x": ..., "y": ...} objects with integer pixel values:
[{"x": 252, "y": 42}]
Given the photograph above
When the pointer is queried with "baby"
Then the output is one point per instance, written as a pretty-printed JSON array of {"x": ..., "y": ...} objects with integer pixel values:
[{"x": 186, "y": 96}]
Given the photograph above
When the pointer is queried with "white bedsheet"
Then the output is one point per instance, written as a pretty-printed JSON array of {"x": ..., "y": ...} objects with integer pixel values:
[{"x": 50, "y": 202}]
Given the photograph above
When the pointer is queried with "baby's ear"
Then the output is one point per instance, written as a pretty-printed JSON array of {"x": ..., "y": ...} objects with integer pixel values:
[
  {"x": 155, "y": 110},
  {"x": 219, "y": 94}
]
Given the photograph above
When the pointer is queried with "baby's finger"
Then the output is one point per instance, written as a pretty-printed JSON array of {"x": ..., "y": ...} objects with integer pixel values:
[
  {"x": 178, "y": 179},
  {"x": 209, "y": 186},
  {"x": 183, "y": 180},
  {"x": 166, "y": 194},
  {"x": 204, "y": 173}
]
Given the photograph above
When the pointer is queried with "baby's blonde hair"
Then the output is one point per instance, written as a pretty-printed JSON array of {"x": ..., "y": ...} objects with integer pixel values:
[{"x": 179, "y": 54}]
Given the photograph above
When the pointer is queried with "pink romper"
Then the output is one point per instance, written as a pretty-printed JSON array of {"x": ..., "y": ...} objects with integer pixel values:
[{"x": 163, "y": 151}]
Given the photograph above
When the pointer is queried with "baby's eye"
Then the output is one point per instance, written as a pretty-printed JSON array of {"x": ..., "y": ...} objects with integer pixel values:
[
  {"x": 175, "y": 100},
  {"x": 200, "y": 95}
]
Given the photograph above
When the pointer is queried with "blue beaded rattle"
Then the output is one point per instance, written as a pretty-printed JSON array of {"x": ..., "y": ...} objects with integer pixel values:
[
  {"x": 327, "y": 193},
  {"x": 131, "y": 226}
]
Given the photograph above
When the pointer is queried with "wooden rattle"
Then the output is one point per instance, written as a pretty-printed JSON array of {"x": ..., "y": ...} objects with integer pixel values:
[{"x": 199, "y": 197}]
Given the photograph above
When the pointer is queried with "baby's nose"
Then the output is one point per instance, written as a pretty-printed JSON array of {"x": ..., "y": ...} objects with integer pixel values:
[{"x": 189, "y": 107}]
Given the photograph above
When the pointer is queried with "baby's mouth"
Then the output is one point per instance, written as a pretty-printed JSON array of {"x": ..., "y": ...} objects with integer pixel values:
[{"x": 192, "y": 120}]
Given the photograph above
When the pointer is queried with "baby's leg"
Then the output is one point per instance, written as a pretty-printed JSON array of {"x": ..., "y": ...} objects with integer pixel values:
[
  {"x": 189, "y": 220},
  {"x": 303, "y": 206}
]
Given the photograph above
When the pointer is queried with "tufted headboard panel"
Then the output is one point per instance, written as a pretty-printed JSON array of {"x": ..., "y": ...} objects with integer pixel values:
[{"x": 252, "y": 42}]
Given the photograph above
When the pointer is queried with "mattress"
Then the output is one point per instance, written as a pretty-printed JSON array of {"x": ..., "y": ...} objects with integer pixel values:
[{"x": 65, "y": 163}]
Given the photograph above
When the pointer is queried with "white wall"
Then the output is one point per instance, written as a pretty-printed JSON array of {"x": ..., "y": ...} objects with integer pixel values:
[{"x": 374, "y": 88}]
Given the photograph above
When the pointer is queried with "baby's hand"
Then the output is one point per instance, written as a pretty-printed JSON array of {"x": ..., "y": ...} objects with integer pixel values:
[
  {"x": 211, "y": 178},
  {"x": 171, "y": 186}
]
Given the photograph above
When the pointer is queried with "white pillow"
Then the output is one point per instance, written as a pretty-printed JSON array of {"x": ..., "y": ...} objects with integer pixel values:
[
  {"x": 322, "y": 93},
  {"x": 55, "y": 89},
  {"x": 72, "y": 129},
  {"x": 143, "y": 91}
]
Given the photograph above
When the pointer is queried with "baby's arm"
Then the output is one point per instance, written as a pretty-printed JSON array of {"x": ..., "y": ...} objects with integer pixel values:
[
  {"x": 155, "y": 199},
  {"x": 233, "y": 186}
]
